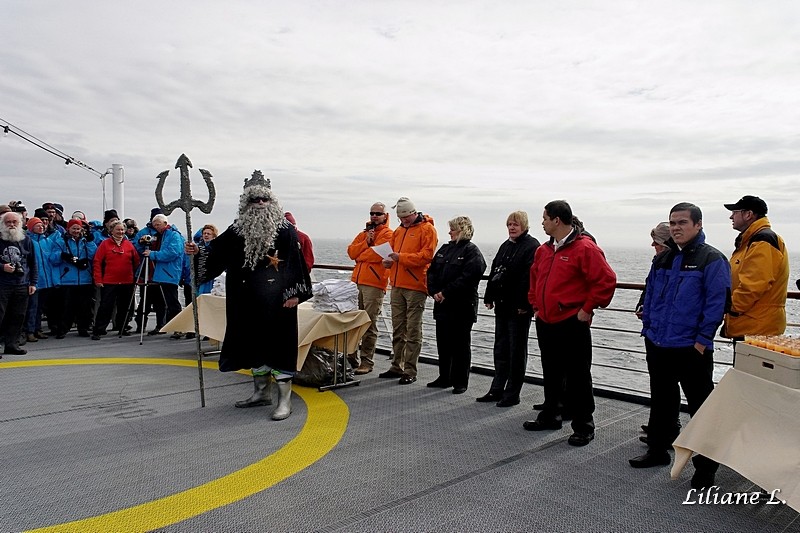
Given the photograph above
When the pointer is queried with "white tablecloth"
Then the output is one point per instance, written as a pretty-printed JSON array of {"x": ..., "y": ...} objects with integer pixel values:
[
  {"x": 319, "y": 329},
  {"x": 752, "y": 426}
]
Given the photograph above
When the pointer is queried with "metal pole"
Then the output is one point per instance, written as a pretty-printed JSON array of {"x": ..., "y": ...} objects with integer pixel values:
[{"x": 118, "y": 189}]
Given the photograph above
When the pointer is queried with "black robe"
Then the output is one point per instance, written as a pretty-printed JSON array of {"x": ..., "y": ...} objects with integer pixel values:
[{"x": 260, "y": 331}]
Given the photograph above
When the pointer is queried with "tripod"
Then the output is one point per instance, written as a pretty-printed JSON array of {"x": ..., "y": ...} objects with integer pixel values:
[{"x": 143, "y": 268}]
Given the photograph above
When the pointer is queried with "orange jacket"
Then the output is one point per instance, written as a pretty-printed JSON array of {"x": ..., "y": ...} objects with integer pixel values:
[
  {"x": 415, "y": 245},
  {"x": 368, "y": 269}
]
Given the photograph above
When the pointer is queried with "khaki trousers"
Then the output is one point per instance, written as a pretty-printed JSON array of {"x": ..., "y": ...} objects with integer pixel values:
[
  {"x": 407, "y": 308},
  {"x": 370, "y": 299}
]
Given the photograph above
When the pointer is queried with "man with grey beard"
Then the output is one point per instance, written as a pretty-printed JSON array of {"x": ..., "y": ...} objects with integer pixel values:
[
  {"x": 18, "y": 278},
  {"x": 266, "y": 279}
]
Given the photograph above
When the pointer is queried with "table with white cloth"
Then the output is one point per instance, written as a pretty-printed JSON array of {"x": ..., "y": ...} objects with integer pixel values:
[
  {"x": 751, "y": 425},
  {"x": 324, "y": 330}
]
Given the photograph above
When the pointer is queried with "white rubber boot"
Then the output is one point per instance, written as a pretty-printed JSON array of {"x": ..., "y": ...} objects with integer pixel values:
[
  {"x": 261, "y": 396},
  {"x": 284, "y": 400}
]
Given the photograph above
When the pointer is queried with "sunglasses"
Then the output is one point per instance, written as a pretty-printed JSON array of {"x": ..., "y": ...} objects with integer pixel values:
[
  {"x": 376, "y": 213},
  {"x": 259, "y": 199}
]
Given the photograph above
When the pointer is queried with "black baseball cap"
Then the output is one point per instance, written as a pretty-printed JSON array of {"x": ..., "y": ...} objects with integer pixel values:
[{"x": 749, "y": 203}]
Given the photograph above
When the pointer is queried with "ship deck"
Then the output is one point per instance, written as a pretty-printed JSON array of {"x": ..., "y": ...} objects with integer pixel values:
[{"x": 110, "y": 436}]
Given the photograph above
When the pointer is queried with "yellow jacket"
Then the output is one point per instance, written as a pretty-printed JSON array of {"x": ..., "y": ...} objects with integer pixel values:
[
  {"x": 759, "y": 280},
  {"x": 368, "y": 269}
]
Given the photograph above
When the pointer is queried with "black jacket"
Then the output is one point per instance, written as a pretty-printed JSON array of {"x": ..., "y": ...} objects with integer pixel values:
[
  {"x": 509, "y": 279},
  {"x": 456, "y": 271}
]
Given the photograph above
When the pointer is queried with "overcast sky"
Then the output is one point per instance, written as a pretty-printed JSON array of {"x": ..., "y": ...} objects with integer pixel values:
[{"x": 479, "y": 108}]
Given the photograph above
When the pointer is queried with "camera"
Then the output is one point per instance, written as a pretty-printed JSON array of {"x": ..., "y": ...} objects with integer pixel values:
[
  {"x": 18, "y": 270},
  {"x": 370, "y": 226},
  {"x": 497, "y": 277},
  {"x": 146, "y": 240}
]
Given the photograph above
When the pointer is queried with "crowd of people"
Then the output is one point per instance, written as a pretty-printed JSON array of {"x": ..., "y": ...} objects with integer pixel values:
[{"x": 82, "y": 274}]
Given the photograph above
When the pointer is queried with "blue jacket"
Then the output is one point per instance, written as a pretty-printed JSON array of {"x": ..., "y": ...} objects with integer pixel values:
[
  {"x": 68, "y": 272},
  {"x": 686, "y": 297},
  {"x": 167, "y": 261},
  {"x": 42, "y": 246}
]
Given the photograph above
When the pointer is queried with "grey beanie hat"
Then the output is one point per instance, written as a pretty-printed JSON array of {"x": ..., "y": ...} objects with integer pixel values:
[
  {"x": 404, "y": 207},
  {"x": 660, "y": 233}
]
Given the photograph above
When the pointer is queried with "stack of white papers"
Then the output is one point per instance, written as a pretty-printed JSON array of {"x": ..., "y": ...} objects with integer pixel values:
[{"x": 335, "y": 296}]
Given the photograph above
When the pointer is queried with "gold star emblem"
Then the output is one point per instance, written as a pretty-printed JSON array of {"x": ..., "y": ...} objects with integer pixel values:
[{"x": 273, "y": 261}]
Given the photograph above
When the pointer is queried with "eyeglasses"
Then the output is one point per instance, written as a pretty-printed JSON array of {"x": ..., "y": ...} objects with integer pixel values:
[
  {"x": 376, "y": 213},
  {"x": 259, "y": 199}
]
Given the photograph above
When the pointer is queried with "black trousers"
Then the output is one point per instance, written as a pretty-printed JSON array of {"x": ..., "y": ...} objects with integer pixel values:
[
  {"x": 453, "y": 336},
  {"x": 670, "y": 370},
  {"x": 112, "y": 296},
  {"x": 13, "y": 305},
  {"x": 170, "y": 301},
  {"x": 510, "y": 354},
  {"x": 78, "y": 308},
  {"x": 566, "y": 349}
]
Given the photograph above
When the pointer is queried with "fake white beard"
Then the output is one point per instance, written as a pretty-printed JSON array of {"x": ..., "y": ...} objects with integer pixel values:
[
  {"x": 259, "y": 226},
  {"x": 12, "y": 234}
]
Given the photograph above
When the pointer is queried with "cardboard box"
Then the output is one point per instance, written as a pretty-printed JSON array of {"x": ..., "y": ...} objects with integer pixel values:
[{"x": 767, "y": 364}]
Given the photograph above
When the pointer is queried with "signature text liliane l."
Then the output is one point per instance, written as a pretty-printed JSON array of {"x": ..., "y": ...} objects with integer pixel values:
[{"x": 713, "y": 496}]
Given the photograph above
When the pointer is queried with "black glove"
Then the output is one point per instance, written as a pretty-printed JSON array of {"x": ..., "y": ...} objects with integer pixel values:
[
  {"x": 82, "y": 264},
  {"x": 89, "y": 235},
  {"x": 68, "y": 257}
]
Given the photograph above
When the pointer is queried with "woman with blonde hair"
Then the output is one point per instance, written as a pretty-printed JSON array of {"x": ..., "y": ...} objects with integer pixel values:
[
  {"x": 507, "y": 293},
  {"x": 453, "y": 279}
]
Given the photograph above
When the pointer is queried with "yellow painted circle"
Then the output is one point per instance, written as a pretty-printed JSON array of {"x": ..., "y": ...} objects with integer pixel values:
[{"x": 323, "y": 429}]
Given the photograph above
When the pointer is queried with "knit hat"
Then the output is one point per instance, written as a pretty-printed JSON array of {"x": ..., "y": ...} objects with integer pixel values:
[
  {"x": 155, "y": 211},
  {"x": 40, "y": 213},
  {"x": 59, "y": 209},
  {"x": 404, "y": 207},
  {"x": 79, "y": 214},
  {"x": 33, "y": 221},
  {"x": 108, "y": 215},
  {"x": 73, "y": 222},
  {"x": 290, "y": 218},
  {"x": 660, "y": 234}
]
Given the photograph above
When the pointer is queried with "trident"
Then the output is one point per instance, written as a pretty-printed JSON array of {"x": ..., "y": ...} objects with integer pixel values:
[{"x": 187, "y": 203}]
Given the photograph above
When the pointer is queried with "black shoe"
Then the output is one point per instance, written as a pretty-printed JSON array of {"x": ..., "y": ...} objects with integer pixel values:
[
  {"x": 407, "y": 380},
  {"x": 83, "y": 333},
  {"x": 13, "y": 350},
  {"x": 580, "y": 439},
  {"x": 650, "y": 459},
  {"x": 190, "y": 335},
  {"x": 177, "y": 335},
  {"x": 702, "y": 479},
  {"x": 439, "y": 383},
  {"x": 489, "y": 397},
  {"x": 644, "y": 439},
  {"x": 644, "y": 428},
  {"x": 390, "y": 374},
  {"x": 459, "y": 390},
  {"x": 125, "y": 333},
  {"x": 157, "y": 331},
  {"x": 507, "y": 402},
  {"x": 541, "y": 425},
  {"x": 61, "y": 336},
  {"x": 95, "y": 337},
  {"x": 538, "y": 406}
]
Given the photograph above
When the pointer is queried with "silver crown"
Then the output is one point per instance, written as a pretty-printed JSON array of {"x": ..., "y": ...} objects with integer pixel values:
[{"x": 257, "y": 179}]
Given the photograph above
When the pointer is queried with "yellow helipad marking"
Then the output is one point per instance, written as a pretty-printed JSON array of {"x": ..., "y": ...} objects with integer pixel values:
[{"x": 325, "y": 424}]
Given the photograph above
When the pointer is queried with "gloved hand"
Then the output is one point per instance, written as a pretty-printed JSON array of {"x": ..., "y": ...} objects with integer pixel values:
[
  {"x": 67, "y": 257},
  {"x": 89, "y": 235},
  {"x": 82, "y": 264}
]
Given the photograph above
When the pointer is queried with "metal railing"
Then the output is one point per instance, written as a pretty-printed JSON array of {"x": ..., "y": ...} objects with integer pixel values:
[{"x": 619, "y": 368}]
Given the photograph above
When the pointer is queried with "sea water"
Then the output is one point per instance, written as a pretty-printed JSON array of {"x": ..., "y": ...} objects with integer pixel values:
[{"x": 618, "y": 356}]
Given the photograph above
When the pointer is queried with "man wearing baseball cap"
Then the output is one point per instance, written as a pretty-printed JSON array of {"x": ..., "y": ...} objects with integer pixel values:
[{"x": 759, "y": 273}]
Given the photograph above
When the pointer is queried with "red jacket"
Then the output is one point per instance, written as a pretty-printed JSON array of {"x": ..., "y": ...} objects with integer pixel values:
[
  {"x": 368, "y": 269},
  {"x": 115, "y": 265},
  {"x": 576, "y": 276}
]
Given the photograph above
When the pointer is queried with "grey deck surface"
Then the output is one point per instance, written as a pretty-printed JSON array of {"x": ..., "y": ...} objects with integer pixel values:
[{"x": 82, "y": 440}]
